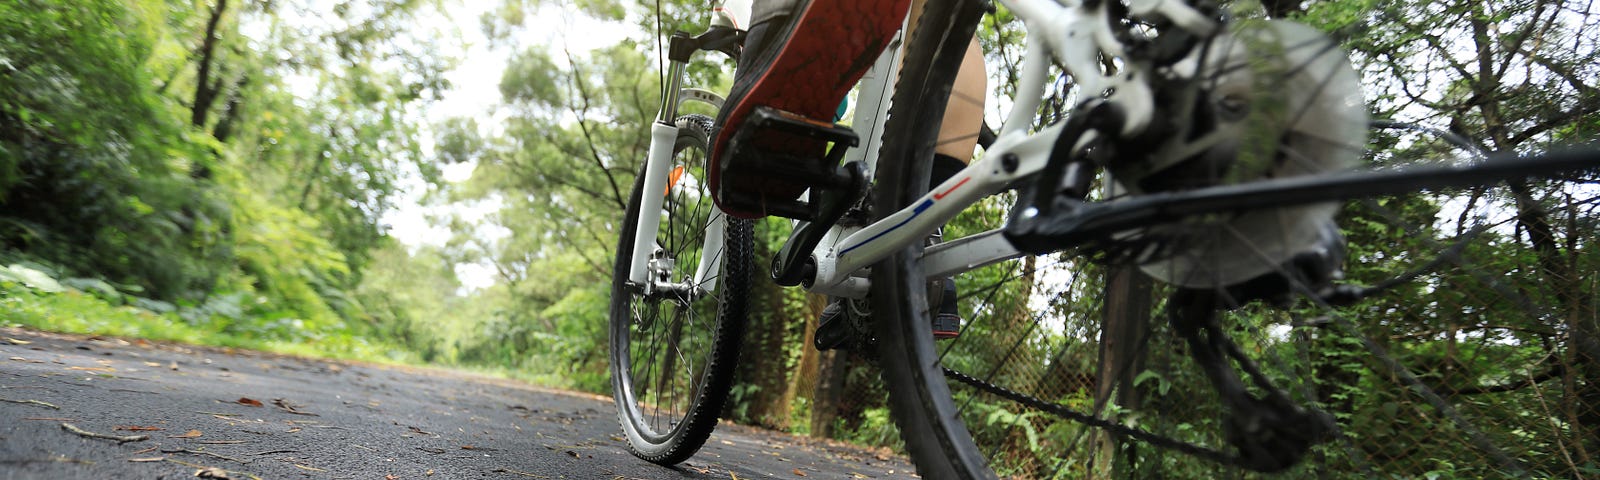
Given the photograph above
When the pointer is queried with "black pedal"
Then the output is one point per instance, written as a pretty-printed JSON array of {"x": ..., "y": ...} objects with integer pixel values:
[{"x": 758, "y": 160}]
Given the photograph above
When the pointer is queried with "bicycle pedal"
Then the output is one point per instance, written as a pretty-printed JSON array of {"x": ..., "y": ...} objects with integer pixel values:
[
  {"x": 776, "y": 154},
  {"x": 833, "y": 331}
]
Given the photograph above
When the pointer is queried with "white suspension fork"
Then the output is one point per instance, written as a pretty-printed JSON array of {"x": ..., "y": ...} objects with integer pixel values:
[
  {"x": 712, "y": 253},
  {"x": 657, "y": 166}
]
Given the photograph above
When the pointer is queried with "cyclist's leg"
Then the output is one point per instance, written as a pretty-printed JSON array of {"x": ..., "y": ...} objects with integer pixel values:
[
  {"x": 800, "y": 56},
  {"x": 963, "y": 115},
  {"x": 958, "y": 136}
]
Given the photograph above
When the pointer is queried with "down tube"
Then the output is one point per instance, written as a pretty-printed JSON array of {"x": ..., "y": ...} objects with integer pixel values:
[
  {"x": 913, "y": 223},
  {"x": 662, "y": 137}
]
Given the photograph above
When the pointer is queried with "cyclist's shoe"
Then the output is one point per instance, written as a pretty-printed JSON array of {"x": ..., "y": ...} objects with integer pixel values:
[
  {"x": 947, "y": 320},
  {"x": 801, "y": 64},
  {"x": 833, "y": 327}
]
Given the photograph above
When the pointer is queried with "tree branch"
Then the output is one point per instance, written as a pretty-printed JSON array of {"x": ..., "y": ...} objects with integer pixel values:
[
  {"x": 1554, "y": 370},
  {"x": 583, "y": 125}
]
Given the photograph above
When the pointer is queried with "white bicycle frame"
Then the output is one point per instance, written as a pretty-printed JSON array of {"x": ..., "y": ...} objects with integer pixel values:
[{"x": 1073, "y": 34}]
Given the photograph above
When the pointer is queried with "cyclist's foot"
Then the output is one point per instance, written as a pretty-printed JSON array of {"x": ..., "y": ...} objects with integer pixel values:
[
  {"x": 834, "y": 329},
  {"x": 947, "y": 320},
  {"x": 804, "y": 64}
]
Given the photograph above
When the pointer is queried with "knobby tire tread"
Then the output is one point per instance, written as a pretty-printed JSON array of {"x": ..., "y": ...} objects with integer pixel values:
[
  {"x": 920, "y": 400},
  {"x": 733, "y": 292}
]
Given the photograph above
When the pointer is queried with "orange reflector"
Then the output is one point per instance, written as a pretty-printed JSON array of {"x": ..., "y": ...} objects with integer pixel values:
[{"x": 672, "y": 179}]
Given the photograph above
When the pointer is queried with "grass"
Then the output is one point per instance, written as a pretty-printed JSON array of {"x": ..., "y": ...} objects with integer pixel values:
[
  {"x": 79, "y": 312},
  {"x": 74, "y": 311}
]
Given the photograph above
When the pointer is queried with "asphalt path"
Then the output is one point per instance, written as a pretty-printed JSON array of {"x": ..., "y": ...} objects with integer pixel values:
[{"x": 187, "y": 412}]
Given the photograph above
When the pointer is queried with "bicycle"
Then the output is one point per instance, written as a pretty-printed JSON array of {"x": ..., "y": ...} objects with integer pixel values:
[{"x": 1158, "y": 166}]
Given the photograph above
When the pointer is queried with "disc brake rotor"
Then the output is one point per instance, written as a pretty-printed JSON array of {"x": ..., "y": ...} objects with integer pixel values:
[{"x": 1277, "y": 99}]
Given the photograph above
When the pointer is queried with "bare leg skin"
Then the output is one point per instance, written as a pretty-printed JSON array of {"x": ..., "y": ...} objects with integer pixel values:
[{"x": 963, "y": 115}]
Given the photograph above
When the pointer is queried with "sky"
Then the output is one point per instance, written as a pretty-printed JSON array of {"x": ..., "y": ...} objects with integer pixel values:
[{"x": 474, "y": 93}]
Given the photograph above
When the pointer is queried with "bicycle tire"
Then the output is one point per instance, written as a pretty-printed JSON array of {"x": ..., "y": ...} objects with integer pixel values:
[
  {"x": 691, "y": 412},
  {"x": 919, "y": 399},
  {"x": 952, "y": 431}
]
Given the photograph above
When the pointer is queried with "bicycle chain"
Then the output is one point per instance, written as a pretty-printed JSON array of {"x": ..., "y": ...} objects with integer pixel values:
[{"x": 1094, "y": 421}]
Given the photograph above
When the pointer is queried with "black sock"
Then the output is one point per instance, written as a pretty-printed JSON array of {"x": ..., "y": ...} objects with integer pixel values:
[{"x": 944, "y": 167}]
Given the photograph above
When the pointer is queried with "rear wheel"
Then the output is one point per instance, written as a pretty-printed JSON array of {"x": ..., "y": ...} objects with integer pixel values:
[
  {"x": 673, "y": 351},
  {"x": 1069, "y": 364}
]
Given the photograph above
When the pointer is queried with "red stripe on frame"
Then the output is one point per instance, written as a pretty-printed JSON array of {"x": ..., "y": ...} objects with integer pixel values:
[{"x": 940, "y": 196}]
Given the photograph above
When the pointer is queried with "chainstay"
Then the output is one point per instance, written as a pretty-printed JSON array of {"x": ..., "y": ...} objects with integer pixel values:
[{"x": 1093, "y": 421}]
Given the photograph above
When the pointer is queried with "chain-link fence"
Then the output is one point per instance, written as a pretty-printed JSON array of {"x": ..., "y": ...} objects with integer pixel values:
[{"x": 1469, "y": 358}]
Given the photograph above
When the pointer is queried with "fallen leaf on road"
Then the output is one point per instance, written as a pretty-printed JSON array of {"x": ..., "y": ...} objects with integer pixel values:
[
  {"x": 32, "y": 402},
  {"x": 249, "y": 401},
  {"x": 14, "y": 341},
  {"x": 152, "y": 364},
  {"x": 390, "y": 477},
  {"x": 150, "y": 459},
  {"x": 798, "y": 472},
  {"x": 188, "y": 434},
  {"x": 292, "y": 430},
  {"x": 212, "y": 472},
  {"x": 288, "y": 407},
  {"x": 136, "y": 428},
  {"x": 120, "y": 439},
  {"x": 514, "y": 472}
]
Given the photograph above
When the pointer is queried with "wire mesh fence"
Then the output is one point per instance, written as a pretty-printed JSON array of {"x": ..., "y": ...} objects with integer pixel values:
[{"x": 1476, "y": 364}]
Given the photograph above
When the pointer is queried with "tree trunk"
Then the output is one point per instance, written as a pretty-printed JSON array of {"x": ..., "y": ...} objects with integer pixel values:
[
  {"x": 764, "y": 372},
  {"x": 1582, "y": 363},
  {"x": 230, "y": 112},
  {"x": 206, "y": 88},
  {"x": 804, "y": 380},
  {"x": 827, "y": 399},
  {"x": 1123, "y": 333}
]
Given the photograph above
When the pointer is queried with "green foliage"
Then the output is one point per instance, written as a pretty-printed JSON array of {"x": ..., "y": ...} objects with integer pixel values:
[
  {"x": 77, "y": 310},
  {"x": 93, "y": 167},
  {"x": 162, "y": 158}
]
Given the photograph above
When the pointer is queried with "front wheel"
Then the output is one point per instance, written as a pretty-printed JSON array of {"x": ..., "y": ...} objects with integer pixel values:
[{"x": 673, "y": 348}]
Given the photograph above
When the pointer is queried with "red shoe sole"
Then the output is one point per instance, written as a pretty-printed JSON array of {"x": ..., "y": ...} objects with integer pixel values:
[{"x": 809, "y": 76}]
